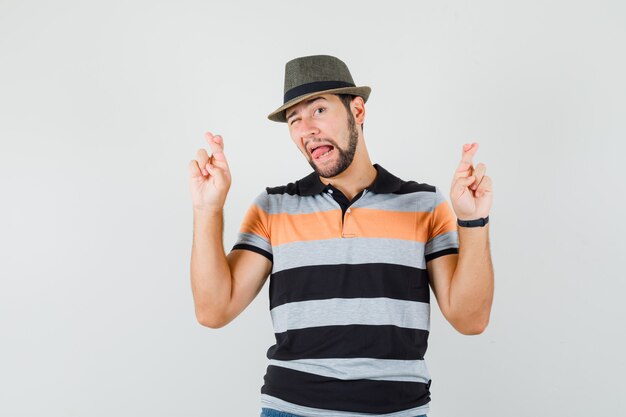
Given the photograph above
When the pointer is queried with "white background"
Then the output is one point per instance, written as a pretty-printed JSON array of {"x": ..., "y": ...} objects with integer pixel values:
[{"x": 102, "y": 106}]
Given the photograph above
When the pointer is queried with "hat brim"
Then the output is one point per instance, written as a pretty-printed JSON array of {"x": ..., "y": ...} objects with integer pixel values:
[{"x": 278, "y": 115}]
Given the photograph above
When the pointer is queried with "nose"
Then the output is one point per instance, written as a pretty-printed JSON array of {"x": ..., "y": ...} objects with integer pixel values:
[{"x": 307, "y": 128}]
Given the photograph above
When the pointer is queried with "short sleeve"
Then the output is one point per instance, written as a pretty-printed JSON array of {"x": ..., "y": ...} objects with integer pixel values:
[
  {"x": 443, "y": 238},
  {"x": 254, "y": 231}
]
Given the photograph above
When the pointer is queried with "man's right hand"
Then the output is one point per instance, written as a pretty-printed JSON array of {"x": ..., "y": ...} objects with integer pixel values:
[{"x": 210, "y": 178}]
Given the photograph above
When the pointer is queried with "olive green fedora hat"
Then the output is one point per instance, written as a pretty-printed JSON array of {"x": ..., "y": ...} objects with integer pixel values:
[{"x": 313, "y": 75}]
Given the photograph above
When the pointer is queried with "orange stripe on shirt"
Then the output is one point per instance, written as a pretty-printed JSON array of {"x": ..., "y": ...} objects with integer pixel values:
[
  {"x": 360, "y": 222},
  {"x": 444, "y": 219},
  {"x": 256, "y": 221}
]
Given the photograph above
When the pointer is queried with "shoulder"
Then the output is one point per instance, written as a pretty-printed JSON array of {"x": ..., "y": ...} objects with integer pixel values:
[
  {"x": 426, "y": 195},
  {"x": 410, "y": 186},
  {"x": 274, "y": 197},
  {"x": 306, "y": 186},
  {"x": 389, "y": 183},
  {"x": 290, "y": 189}
]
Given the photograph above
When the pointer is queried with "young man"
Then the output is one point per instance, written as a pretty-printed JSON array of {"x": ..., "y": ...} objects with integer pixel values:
[{"x": 352, "y": 251}]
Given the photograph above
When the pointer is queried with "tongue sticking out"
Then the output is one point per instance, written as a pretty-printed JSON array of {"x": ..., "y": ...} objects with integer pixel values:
[{"x": 321, "y": 151}]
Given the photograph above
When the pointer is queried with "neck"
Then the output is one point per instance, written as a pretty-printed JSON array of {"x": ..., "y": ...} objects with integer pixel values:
[{"x": 359, "y": 175}]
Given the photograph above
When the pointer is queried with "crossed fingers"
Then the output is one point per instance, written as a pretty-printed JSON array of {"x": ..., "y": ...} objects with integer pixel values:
[
  {"x": 207, "y": 162},
  {"x": 481, "y": 182}
]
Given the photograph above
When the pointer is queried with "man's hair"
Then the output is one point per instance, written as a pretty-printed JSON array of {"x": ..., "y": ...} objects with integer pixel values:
[{"x": 346, "y": 99}]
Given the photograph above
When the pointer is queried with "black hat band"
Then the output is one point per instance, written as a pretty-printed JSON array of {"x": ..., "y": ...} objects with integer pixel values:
[{"x": 313, "y": 87}]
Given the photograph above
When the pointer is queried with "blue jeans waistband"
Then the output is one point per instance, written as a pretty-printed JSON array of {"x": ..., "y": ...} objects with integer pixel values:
[{"x": 270, "y": 412}]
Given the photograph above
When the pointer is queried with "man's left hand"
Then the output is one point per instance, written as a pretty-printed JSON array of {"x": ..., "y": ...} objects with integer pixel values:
[{"x": 471, "y": 192}]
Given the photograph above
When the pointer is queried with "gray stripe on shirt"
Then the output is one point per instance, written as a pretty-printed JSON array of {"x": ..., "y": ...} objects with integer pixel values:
[{"x": 346, "y": 311}]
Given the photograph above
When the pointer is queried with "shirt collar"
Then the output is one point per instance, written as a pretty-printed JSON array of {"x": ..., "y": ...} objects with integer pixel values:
[{"x": 384, "y": 183}]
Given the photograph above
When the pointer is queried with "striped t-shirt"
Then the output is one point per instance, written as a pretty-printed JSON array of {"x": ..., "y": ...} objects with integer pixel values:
[{"x": 349, "y": 293}]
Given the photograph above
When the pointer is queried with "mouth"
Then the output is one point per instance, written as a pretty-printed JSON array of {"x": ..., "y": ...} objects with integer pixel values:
[{"x": 322, "y": 152}]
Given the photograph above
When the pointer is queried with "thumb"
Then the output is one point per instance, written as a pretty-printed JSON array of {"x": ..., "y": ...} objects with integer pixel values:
[{"x": 194, "y": 170}]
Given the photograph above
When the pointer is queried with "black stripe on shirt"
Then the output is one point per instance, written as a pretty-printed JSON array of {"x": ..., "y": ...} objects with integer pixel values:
[
  {"x": 350, "y": 341},
  {"x": 355, "y": 395},
  {"x": 318, "y": 282},
  {"x": 437, "y": 254},
  {"x": 254, "y": 249}
]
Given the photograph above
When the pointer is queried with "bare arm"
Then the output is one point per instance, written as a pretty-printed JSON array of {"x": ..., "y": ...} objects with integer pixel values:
[
  {"x": 464, "y": 284},
  {"x": 222, "y": 286},
  {"x": 211, "y": 279}
]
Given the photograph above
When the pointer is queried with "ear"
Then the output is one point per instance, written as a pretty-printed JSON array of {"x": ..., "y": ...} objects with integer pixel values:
[{"x": 358, "y": 109}]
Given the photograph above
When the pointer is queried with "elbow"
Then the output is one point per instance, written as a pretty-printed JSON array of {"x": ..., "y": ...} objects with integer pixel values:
[
  {"x": 213, "y": 324},
  {"x": 472, "y": 331},
  {"x": 210, "y": 324},
  {"x": 472, "y": 328},
  {"x": 209, "y": 320}
]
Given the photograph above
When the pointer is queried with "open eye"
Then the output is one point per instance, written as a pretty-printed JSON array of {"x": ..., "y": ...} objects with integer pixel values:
[{"x": 320, "y": 108}]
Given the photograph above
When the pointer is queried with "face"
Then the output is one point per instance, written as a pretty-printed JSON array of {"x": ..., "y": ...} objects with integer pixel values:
[{"x": 325, "y": 133}]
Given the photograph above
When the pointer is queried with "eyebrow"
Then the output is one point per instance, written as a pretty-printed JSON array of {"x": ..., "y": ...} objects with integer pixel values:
[{"x": 307, "y": 102}]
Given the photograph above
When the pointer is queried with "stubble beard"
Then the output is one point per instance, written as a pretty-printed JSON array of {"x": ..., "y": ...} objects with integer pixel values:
[{"x": 346, "y": 156}]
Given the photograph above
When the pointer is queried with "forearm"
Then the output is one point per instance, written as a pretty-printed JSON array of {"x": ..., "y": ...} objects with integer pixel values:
[
  {"x": 210, "y": 274},
  {"x": 471, "y": 291}
]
